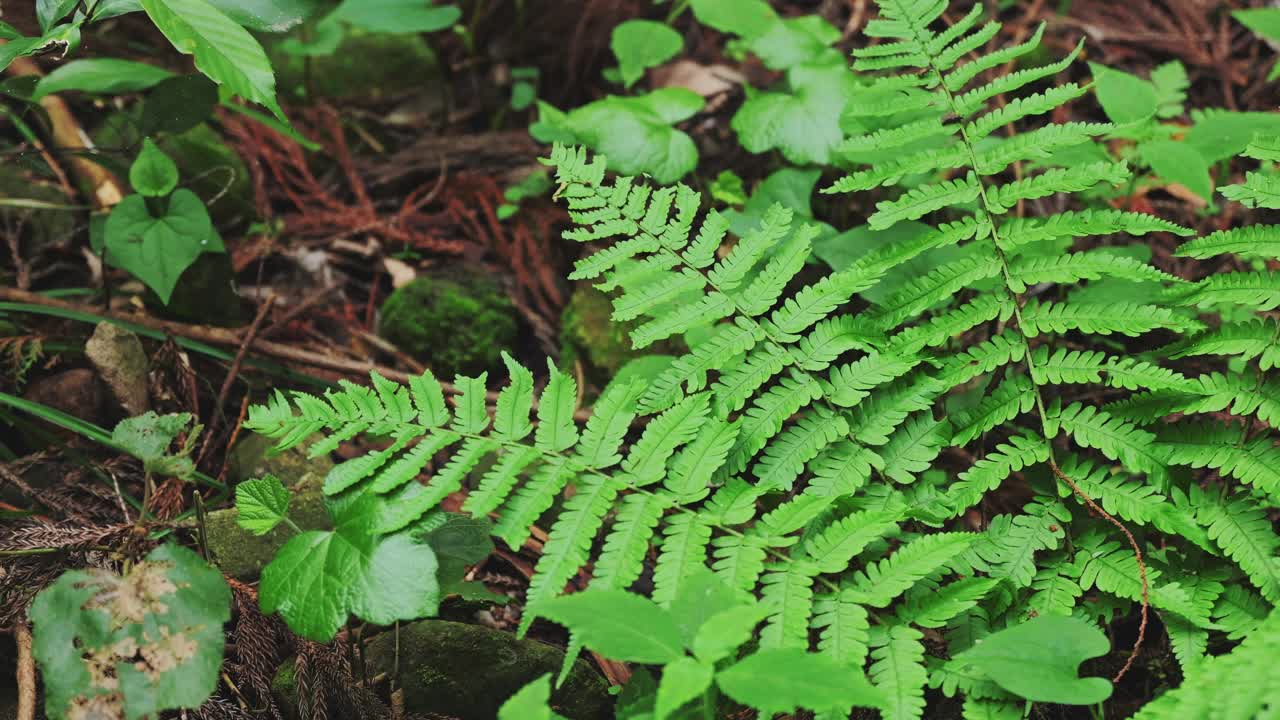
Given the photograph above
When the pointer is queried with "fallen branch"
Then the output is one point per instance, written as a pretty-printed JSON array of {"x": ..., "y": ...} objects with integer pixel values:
[
  {"x": 224, "y": 337},
  {"x": 26, "y": 673}
]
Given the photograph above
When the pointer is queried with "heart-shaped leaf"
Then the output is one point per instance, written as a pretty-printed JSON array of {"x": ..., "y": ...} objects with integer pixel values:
[
  {"x": 1040, "y": 659},
  {"x": 158, "y": 249},
  {"x": 319, "y": 578}
]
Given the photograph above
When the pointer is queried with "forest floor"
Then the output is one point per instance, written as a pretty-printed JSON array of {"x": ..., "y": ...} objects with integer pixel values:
[{"x": 415, "y": 143}]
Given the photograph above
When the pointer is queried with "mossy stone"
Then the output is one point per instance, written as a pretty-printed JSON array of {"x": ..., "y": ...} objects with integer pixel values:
[
  {"x": 252, "y": 458},
  {"x": 588, "y": 333},
  {"x": 456, "y": 324},
  {"x": 365, "y": 66},
  {"x": 468, "y": 671},
  {"x": 241, "y": 554}
]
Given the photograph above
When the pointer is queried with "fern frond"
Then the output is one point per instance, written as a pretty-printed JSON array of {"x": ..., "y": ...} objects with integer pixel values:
[
  {"x": 1258, "y": 291},
  {"x": 956, "y": 79},
  {"x": 1244, "y": 533},
  {"x": 920, "y": 201},
  {"x": 683, "y": 549},
  {"x": 913, "y": 448},
  {"x": 897, "y": 668},
  {"x": 1102, "y": 318},
  {"x": 1251, "y": 241},
  {"x": 1012, "y": 398},
  {"x": 880, "y": 583},
  {"x": 1257, "y": 191},
  {"x": 1133, "y": 447},
  {"x": 1019, "y": 231},
  {"x": 788, "y": 593}
]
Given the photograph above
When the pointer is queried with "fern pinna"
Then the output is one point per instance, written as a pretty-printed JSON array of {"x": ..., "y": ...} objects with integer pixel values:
[{"x": 835, "y": 457}]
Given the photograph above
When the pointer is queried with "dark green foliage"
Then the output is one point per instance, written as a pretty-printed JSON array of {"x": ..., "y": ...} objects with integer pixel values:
[{"x": 460, "y": 324}]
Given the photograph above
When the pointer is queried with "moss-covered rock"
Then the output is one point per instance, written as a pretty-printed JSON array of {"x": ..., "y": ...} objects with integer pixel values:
[
  {"x": 588, "y": 334},
  {"x": 458, "y": 323},
  {"x": 238, "y": 552},
  {"x": 603, "y": 345},
  {"x": 468, "y": 671},
  {"x": 252, "y": 458},
  {"x": 365, "y": 66}
]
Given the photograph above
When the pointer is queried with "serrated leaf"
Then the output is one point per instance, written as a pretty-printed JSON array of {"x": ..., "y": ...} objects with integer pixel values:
[
  {"x": 618, "y": 625},
  {"x": 782, "y": 679},
  {"x": 320, "y": 577},
  {"x": 261, "y": 504}
]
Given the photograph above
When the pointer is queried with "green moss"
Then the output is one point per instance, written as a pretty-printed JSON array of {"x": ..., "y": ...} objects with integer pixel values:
[
  {"x": 241, "y": 554},
  {"x": 364, "y": 66},
  {"x": 588, "y": 334},
  {"x": 468, "y": 671},
  {"x": 455, "y": 325}
]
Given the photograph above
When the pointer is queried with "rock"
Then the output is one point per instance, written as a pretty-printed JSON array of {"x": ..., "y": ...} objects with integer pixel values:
[
  {"x": 603, "y": 345},
  {"x": 76, "y": 392},
  {"x": 365, "y": 66},
  {"x": 587, "y": 333},
  {"x": 456, "y": 324},
  {"x": 121, "y": 362},
  {"x": 468, "y": 671},
  {"x": 252, "y": 458},
  {"x": 241, "y": 554}
]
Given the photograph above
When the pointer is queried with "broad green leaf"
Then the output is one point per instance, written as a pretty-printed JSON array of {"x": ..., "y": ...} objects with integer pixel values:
[
  {"x": 804, "y": 122},
  {"x": 396, "y": 16},
  {"x": 619, "y": 625},
  {"x": 1180, "y": 163},
  {"x": 531, "y": 702},
  {"x": 1220, "y": 134},
  {"x": 1124, "y": 97},
  {"x": 49, "y": 12},
  {"x": 794, "y": 41},
  {"x": 270, "y": 16},
  {"x": 460, "y": 541},
  {"x": 107, "y": 76},
  {"x": 783, "y": 679},
  {"x": 723, "y": 633},
  {"x": 642, "y": 44},
  {"x": 745, "y": 18},
  {"x": 1263, "y": 21},
  {"x": 702, "y": 595},
  {"x": 261, "y": 504},
  {"x": 635, "y": 134},
  {"x": 153, "y": 174},
  {"x": 178, "y": 104},
  {"x": 131, "y": 646},
  {"x": 223, "y": 50},
  {"x": 19, "y": 46},
  {"x": 148, "y": 438},
  {"x": 682, "y": 681},
  {"x": 1039, "y": 660},
  {"x": 106, "y": 9},
  {"x": 158, "y": 249},
  {"x": 319, "y": 578}
]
